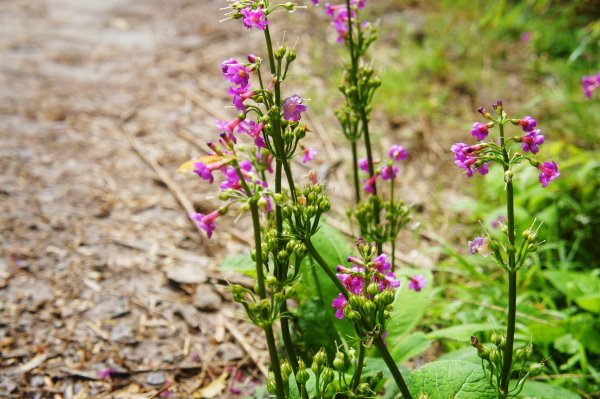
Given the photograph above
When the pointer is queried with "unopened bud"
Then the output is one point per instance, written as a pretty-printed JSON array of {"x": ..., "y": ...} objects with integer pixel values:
[
  {"x": 535, "y": 368},
  {"x": 338, "y": 362},
  {"x": 373, "y": 288},
  {"x": 327, "y": 375},
  {"x": 280, "y": 52}
]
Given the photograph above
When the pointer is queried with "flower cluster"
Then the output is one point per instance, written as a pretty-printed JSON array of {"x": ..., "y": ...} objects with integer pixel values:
[
  {"x": 478, "y": 157},
  {"x": 370, "y": 278},
  {"x": 341, "y": 15},
  {"x": 590, "y": 83},
  {"x": 389, "y": 171}
]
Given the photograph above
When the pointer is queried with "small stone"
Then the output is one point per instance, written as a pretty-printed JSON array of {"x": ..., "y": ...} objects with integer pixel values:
[
  {"x": 205, "y": 298},
  {"x": 156, "y": 378},
  {"x": 187, "y": 274},
  {"x": 123, "y": 333}
]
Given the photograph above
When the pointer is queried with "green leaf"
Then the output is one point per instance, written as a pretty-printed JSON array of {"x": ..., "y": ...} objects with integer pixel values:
[
  {"x": 409, "y": 306},
  {"x": 239, "y": 263},
  {"x": 454, "y": 379},
  {"x": 573, "y": 284},
  {"x": 409, "y": 346},
  {"x": 542, "y": 390},
  {"x": 316, "y": 325},
  {"x": 468, "y": 354},
  {"x": 590, "y": 302},
  {"x": 462, "y": 332}
]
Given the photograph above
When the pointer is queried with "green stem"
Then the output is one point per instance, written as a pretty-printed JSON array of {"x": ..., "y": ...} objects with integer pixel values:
[
  {"x": 512, "y": 278},
  {"x": 355, "y": 168},
  {"x": 359, "y": 367},
  {"x": 393, "y": 237},
  {"x": 323, "y": 264},
  {"x": 389, "y": 361}
]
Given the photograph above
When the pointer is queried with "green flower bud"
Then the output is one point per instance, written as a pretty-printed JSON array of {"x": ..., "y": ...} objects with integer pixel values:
[
  {"x": 535, "y": 368},
  {"x": 355, "y": 301},
  {"x": 353, "y": 316},
  {"x": 532, "y": 247},
  {"x": 280, "y": 52},
  {"x": 338, "y": 362},
  {"x": 271, "y": 386},
  {"x": 286, "y": 370},
  {"x": 282, "y": 256},
  {"x": 495, "y": 356},
  {"x": 373, "y": 288},
  {"x": 327, "y": 375},
  {"x": 291, "y": 7},
  {"x": 271, "y": 281},
  {"x": 363, "y": 389},
  {"x": 369, "y": 307}
]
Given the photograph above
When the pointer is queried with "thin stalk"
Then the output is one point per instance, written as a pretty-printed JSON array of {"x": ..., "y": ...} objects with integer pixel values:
[
  {"x": 393, "y": 238},
  {"x": 359, "y": 367},
  {"x": 512, "y": 279},
  {"x": 389, "y": 361},
  {"x": 355, "y": 169},
  {"x": 280, "y": 390}
]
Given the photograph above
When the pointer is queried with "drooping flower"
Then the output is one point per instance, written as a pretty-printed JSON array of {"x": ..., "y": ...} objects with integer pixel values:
[
  {"x": 527, "y": 123},
  {"x": 465, "y": 157},
  {"x": 339, "y": 304},
  {"x": 389, "y": 172},
  {"x": 590, "y": 83},
  {"x": 363, "y": 164},
  {"x": 308, "y": 154},
  {"x": 239, "y": 95},
  {"x": 549, "y": 172},
  {"x": 255, "y": 18},
  {"x": 398, "y": 153},
  {"x": 293, "y": 107},
  {"x": 530, "y": 141},
  {"x": 480, "y": 131},
  {"x": 204, "y": 166},
  {"x": 369, "y": 186},
  {"x": 206, "y": 222},
  {"x": 417, "y": 282},
  {"x": 481, "y": 246},
  {"x": 227, "y": 127}
]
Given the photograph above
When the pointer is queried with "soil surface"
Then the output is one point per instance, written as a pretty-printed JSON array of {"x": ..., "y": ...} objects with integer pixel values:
[{"x": 106, "y": 288}]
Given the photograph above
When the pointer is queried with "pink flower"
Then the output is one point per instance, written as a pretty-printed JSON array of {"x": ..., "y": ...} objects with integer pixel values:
[
  {"x": 227, "y": 127},
  {"x": 527, "y": 123},
  {"x": 369, "y": 186},
  {"x": 363, "y": 164},
  {"x": 498, "y": 221},
  {"x": 254, "y": 18},
  {"x": 381, "y": 264},
  {"x": 107, "y": 373},
  {"x": 549, "y": 172},
  {"x": 254, "y": 130},
  {"x": 389, "y": 172},
  {"x": 398, "y": 153},
  {"x": 417, "y": 283},
  {"x": 590, "y": 83},
  {"x": 479, "y": 131},
  {"x": 239, "y": 95},
  {"x": 339, "y": 304},
  {"x": 465, "y": 157},
  {"x": 530, "y": 141},
  {"x": 309, "y": 154},
  {"x": 481, "y": 246},
  {"x": 206, "y": 222},
  {"x": 235, "y": 72},
  {"x": 205, "y": 169},
  {"x": 292, "y": 108}
]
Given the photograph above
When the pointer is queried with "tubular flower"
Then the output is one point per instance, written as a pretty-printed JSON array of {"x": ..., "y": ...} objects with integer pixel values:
[
  {"x": 465, "y": 157},
  {"x": 369, "y": 186},
  {"x": 308, "y": 154},
  {"x": 293, "y": 107},
  {"x": 549, "y": 172},
  {"x": 530, "y": 141},
  {"x": 389, "y": 172},
  {"x": 527, "y": 123},
  {"x": 590, "y": 83},
  {"x": 206, "y": 222},
  {"x": 255, "y": 18},
  {"x": 363, "y": 164},
  {"x": 339, "y": 304},
  {"x": 235, "y": 72},
  {"x": 480, "y": 131},
  {"x": 254, "y": 130}
]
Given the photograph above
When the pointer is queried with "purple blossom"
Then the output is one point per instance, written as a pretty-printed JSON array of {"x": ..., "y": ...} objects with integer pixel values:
[
  {"x": 254, "y": 130},
  {"x": 498, "y": 221},
  {"x": 549, "y": 172},
  {"x": 525, "y": 37},
  {"x": 239, "y": 95},
  {"x": 530, "y": 141},
  {"x": 352, "y": 278},
  {"x": 339, "y": 304},
  {"x": 205, "y": 169},
  {"x": 417, "y": 282},
  {"x": 479, "y": 131},
  {"x": 381, "y": 264},
  {"x": 309, "y": 154},
  {"x": 206, "y": 222},
  {"x": 106, "y": 373},
  {"x": 590, "y": 83},
  {"x": 398, "y": 153},
  {"x": 254, "y": 18},
  {"x": 227, "y": 127},
  {"x": 527, "y": 123},
  {"x": 363, "y": 164},
  {"x": 293, "y": 107},
  {"x": 389, "y": 172},
  {"x": 465, "y": 157},
  {"x": 233, "y": 178},
  {"x": 387, "y": 281},
  {"x": 481, "y": 246},
  {"x": 235, "y": 72}
]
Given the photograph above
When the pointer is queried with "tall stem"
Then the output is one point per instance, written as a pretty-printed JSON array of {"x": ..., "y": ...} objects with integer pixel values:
[
  {"x": 355, "y": 169},
  {"x": 393, "y": 237},
  {"x": 280, "y": 390},
  {"x": 512, "y": 278},
  {"x": 359, "y": 367},
  {"x": 389, "y": 361}
]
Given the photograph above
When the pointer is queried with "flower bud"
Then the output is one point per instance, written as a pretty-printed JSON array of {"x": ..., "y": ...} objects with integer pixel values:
[
  {"x": 327, "y": 375},
  {"x": 508, "y": 175},
  {"x": 535, "y": 368},
  {"x": 363, "y": 389},
  {"x": 373, "y": 288},
  {"x": 353, "y": 316},
  {"x": 369, "y": 308},
  {"x": 286, "y": 370},
  {"x": 291, "y": 56},
  {"x": 532, "y": 247},
  {"x": 291, "y": 7},
  {"x": 282, "y": 256},
  {"x": 280, "y": 52},
  {"x": 338, "y": 362},
  {"x": 302, "y": 376},
  {"x": 271, "y": 386},
  {"x": 495, "y": 355}
]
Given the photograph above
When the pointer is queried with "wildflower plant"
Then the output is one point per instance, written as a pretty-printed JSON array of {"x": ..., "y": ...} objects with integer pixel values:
[{"x": 503, "y": 361}]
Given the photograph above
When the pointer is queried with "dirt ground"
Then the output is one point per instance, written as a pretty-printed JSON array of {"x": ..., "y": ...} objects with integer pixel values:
[{"x": 106, "y": 288}]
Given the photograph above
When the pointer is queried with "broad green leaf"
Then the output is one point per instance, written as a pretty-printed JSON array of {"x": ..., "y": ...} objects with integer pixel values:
[
  {"x": 468, "y": 354},
  {"x": 408, "y": 346},
  {"x": 311, "y": 386},
  {"x": 454, "y": 379},
  {"x": 316, "y": 325},
  {"x": 409, "y": 306},
  {"x": 573, "y": 284},
  {"x": 590, "y": 302},
  {"x": 462, "y": 332},
  {"x": 542, "y": 390},
  {"x": 239, "y": 263}
]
